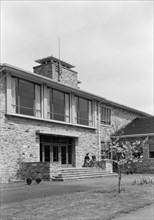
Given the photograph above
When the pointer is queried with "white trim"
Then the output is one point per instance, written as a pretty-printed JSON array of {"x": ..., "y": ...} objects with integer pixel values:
[
  {"x": 55, "y": 133},
  {"x": 50, "y": 121}
]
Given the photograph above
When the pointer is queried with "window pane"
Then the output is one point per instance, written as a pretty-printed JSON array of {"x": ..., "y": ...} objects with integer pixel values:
[
  {"x": 67, "y": 108},
  {"x": 27, "y": 97},
  {"x": 105, "y": 115},
  {"x": 14, "y": 93},
  {"x": 58, "y": 106},
  {"x": 37, "y": 109},
  {"x": 83, "y": 111},
  {"x": 151, "y": 147}
]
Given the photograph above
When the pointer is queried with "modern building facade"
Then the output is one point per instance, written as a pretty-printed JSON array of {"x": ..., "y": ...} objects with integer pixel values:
[{"x": 46, "y": 117}]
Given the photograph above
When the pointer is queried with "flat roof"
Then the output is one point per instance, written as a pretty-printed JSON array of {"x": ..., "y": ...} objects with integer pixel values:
[{"x": 52, "y": 58}]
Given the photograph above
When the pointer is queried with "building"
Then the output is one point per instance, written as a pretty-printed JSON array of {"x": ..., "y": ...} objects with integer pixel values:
[
  {"x": 45, "y": 117},
  {"x": 138, "y": 130}
]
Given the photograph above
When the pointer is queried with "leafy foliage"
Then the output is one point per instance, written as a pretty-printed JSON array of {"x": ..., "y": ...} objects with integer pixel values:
[{"x": 124, "y": 154}]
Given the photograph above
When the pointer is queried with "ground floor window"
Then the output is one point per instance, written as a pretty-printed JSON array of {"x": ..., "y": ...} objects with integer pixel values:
[{"x": 151, "y": 150}]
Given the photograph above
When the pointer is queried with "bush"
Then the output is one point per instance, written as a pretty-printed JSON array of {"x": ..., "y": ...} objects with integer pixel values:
[
  {"x": 28, "y": 181},
  {"x": 143, "y": 180},
  {"x": 38, "y": 180}
]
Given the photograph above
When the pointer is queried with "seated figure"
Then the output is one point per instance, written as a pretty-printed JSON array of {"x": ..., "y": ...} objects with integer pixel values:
[{"x": 86, "y": 160}]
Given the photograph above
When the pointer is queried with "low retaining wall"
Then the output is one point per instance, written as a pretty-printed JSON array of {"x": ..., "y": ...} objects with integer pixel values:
[
  {"x": 47, "y": 171},
  {"x": 33, "y": 170}
]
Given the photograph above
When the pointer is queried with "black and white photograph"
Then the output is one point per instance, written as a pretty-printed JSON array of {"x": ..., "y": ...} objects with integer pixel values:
[{"x": 76, "y": 110}]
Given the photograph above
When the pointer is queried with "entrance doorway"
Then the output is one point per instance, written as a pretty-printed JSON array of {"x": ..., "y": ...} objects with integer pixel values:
[{"x": 57, "y": 149}]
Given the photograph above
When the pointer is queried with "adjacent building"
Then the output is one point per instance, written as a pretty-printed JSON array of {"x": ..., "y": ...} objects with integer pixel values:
[{"x": 46, "y": 117}]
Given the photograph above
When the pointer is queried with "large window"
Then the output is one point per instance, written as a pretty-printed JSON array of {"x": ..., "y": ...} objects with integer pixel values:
[
  {"x": 151, "y": 150},
  {"x": 105, "y": 115},
  {"x": 83, "y": 111},
  {"x": 58, "y": 105},
  {"x": 26, "y": 97}
]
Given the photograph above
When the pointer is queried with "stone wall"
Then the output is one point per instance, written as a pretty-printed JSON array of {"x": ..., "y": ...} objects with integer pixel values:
[
  {"x": 67, "y": 77},
  {"x": 119, "y": 119},
  {"x": 147, "y": 165},
  {"x": 20, "y": 143},
  {"x": 34, "y": 170}
]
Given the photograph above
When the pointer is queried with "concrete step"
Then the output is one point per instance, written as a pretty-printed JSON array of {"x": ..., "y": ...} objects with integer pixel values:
[{"x": 81, "y": 173}]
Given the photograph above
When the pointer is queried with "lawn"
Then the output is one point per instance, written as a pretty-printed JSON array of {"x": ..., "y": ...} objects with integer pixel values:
[{"x": 100, "y": 201}]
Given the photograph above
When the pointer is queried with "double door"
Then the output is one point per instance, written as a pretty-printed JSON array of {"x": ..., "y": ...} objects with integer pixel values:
[{"x": 61, "y": 153}]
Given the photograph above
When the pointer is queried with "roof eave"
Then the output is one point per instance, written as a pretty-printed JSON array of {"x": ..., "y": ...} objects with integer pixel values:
[{"x": 133, "y": 135}]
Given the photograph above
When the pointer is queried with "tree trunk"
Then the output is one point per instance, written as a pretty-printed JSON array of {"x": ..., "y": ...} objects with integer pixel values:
[{"x": 119, "y": 182}]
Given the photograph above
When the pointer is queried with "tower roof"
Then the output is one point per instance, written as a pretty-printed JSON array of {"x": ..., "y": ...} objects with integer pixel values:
[{"x": 53, "y": 59}]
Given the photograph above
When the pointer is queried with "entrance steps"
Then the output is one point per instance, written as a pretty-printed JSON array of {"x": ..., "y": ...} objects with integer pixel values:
[{"x": 81, "y": 173}]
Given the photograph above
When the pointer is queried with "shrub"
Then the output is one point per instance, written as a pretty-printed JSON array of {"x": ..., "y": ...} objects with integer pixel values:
[
  {"x": 28, "y": 181},
  {"x": 38, "y": 180},
  {"x": 143, "y": 180}
]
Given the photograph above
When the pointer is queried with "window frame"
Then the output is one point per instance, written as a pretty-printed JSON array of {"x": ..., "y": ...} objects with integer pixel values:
[
  {"x": 106, "y": 120},
  {"x": 150, "y": 151},
  {"x": 90, "y": 119},
  {"x": 17, "y": 105},
  {"x": 67, "y": 110}
]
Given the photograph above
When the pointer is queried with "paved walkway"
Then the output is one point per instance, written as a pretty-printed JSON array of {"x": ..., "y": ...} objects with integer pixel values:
[{"x": 146, "y": 213}]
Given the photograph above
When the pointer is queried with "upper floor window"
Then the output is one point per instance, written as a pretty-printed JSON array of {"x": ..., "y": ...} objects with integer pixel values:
[
  {"x": 58, "y": 105},
  {"x": 151, "y": 150},
  {"x": 26, "y": 97},
  {"x": 83, "y": 111},
  {"x": 105, "y": 115}
]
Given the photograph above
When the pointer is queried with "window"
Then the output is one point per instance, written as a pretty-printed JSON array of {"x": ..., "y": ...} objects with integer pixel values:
[
  {"x": 83, "y": 111},
  {"x": 105, "y": 115},
  {"x": 105, "y": 150},
  {"x": 151, "y": 150},
  {"x": 58, "y": 105},
  {"x": 26, "y": 97}
]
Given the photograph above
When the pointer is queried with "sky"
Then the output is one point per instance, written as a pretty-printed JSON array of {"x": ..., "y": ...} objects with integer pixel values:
[{"x": 109, "y": 42}]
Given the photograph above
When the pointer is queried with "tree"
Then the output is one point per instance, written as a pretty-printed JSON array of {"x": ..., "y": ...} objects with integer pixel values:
[{"x": 125, "y": 154}]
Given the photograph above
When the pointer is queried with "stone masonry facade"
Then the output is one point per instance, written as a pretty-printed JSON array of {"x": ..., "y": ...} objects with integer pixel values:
[{"x": 20, "y": 141}]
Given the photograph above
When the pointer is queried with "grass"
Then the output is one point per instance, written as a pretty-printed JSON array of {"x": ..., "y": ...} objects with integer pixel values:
[{"x": 101, "y": 201}]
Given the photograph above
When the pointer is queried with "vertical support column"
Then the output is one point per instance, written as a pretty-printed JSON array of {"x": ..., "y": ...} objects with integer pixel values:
[
  {"x": 75, "y": 151},
  {"x": 51, "y": 153},
  {"x": 45, "y": 101},
  {"x": 74, "y": 115},
  {"x": 94, "y": 114},
  {"x": 42, "y": 101},
  {"x": 59, "y": 154},
  {"x": 43, "y": 154}
]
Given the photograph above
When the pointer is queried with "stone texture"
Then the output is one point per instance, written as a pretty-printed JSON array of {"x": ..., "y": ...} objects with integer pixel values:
[
  {"x": 19, "y": 142},
  {"x": 68, "y": 77},
  {"x": 34, "y": 170}
]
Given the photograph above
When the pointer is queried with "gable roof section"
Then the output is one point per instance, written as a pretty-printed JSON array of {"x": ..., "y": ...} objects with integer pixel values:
[{"x": 138, "y": 127}]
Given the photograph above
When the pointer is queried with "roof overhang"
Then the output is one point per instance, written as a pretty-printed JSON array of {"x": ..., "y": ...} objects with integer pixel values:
[{"x": 133, "y": 135}]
